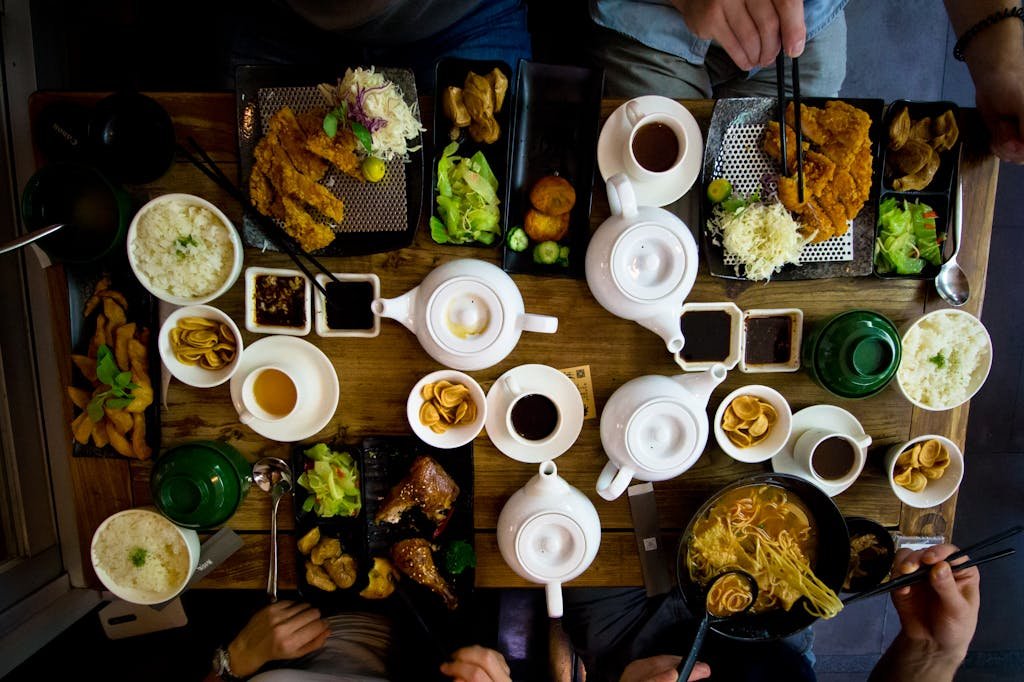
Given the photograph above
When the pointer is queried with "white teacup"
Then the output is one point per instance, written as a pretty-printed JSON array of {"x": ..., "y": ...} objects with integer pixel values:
[
  {"x": 275, "y": 407},
  {"x": 518, "y": 394},
  {"x": 639, "y": 120},
  {"x": 810, "y": 455}
]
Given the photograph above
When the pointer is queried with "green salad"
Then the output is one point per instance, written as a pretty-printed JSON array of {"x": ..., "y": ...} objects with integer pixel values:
[
  {"x": 906, "y": 239},
  {"x": 467, "y": 200},
  {"x": 332, "y": 480}
]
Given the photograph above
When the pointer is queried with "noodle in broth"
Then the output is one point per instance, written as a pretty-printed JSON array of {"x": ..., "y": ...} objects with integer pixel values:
[{"x": 760, "y": 530}]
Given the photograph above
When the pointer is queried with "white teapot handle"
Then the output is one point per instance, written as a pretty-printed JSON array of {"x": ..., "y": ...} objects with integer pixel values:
[
  {"x": 613, "y": 481},
  {"x": 545, "y": 324},
  {"x": 553, "y": 592},
  {"x": 621, "y": 197}
]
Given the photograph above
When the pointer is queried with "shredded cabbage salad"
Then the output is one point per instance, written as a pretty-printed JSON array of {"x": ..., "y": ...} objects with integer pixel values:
[
  {"x": 377, "y": 104},
  {"x": 332, "y": 480},
  {"x": 763, "y": 236}
]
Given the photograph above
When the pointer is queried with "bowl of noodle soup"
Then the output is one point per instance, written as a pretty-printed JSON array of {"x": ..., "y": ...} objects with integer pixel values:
[{"x": 783, "y": 531}]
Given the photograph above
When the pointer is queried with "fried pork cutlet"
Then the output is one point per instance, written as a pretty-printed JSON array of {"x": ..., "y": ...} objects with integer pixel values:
[
  {"x": 340, "y": 150},
  {"x": 309, "y": 233},
  {"x": 772, "y": 148},
  {"x": 264, "y": 198},
  {"x": 292, "y": 139},
  {"x": 290, "y": 182}
]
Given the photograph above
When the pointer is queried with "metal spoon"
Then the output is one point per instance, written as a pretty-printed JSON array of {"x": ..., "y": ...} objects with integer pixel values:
[
  {"x": 274, "y": 476},
  {"x": 951, "y": 282},
  {"x": 31, "y": 237},
  {"x": 686, "y": 665}
]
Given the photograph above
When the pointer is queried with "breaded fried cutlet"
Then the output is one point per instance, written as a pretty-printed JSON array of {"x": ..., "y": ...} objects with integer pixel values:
[
  {"x": 292, "y": 139},
  {"x": 309, "y": 233},
  {"x": 339, "y": 150}
]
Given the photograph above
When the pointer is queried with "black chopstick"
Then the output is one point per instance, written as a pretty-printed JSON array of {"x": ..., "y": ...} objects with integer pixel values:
[
  {"x": 780, "y": 78},
  {"x": 210, "y": 168},
  {"x": 922, "y": 574},
  {"x": 799, "y": 132}
]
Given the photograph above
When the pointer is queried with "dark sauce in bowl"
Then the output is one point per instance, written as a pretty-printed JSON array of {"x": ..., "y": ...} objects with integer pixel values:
[
  {"x": 534, "y": 416},
  {"x": 348, "y": 305},
  {"x": 656, "y": 147},
  {"x": 280, "y": 301},
  {"x": 769, "y": 340},
  {"x": 707, "y": 335}
]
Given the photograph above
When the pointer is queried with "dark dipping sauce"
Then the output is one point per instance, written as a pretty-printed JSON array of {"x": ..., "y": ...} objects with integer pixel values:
[
  {"x": 348, "y": 305},
  {"x": 769, "y": 340},
  {"x": 534, "y": 416},
  {"x": 706, "y": 334},
  {"x": 656, "y": 147},
  {"x": 833, "y": 458},
  {"x": 280, "y": 301}
]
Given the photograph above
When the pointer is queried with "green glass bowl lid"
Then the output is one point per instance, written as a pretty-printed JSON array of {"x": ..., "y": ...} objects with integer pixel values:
[
  {"x": 856, "y": 354},
  {"x": 197, "y": 485}
]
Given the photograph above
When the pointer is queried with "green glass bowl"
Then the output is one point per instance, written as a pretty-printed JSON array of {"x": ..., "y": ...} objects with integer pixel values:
[
  {"x": 854, "y": 354},
  {"x": 200, "y": 484}
]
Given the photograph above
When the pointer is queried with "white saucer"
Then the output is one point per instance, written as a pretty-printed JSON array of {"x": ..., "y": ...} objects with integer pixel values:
[
  {"x": 319, "y": 383},
  {"x": 673, "y": 185},
  {"x": 827, "y": 417},
  {"x": 535, "y": 379}
]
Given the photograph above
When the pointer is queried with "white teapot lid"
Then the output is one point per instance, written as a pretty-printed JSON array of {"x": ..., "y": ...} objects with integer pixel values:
[
  {"x": 465, "y": 315},
  {"x": 661, "y": 434},
  {"x": 648, "y": 262},
  {"x": 551, "y": 545}
]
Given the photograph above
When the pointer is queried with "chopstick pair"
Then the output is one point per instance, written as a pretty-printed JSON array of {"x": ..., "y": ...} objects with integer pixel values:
[
  {"x": 922, "y": 572},
  {"x": 211, "y": 170},
  {"x": 780, "y": 77}
]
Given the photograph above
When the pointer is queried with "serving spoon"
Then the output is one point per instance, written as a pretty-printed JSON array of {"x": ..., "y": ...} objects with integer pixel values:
[
  {"x": 274, "y": 476},
  {"x": 686, "y": 665},
  {"x": 27, "y": 239},
  {"x": 951, "y": 282}
]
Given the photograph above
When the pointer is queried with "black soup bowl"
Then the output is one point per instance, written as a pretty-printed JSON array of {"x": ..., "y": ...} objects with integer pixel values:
[
  {"x": 98, "y": 211},
  {"x": 832, "y": 556}
]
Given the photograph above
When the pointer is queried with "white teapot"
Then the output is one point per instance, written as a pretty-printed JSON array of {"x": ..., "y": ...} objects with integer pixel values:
[
  {"x": 655, "y": 428},
  {"x": 467, "y": 314},
  {"x": 549, "y": 533},
  {"x": 642, "y": 263}
]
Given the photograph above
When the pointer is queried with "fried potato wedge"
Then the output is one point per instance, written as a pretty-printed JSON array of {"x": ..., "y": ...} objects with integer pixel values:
[
  {"x": 118, "y": 441},
  {"x": 79, "y": 396},
  {"x": 122, "y": 336},
  {"x": 140, "y": 448},
  {"x": 87, "y": 366}
]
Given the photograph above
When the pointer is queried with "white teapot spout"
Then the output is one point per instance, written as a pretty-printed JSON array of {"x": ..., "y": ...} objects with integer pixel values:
[
  {"x": 401, "y": 308},
  {"x": 701, "y": 384},
  {"x": 666, "y": 325}
]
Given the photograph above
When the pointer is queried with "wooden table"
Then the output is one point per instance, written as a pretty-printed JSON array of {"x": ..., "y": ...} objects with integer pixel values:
[{"x": 376, "y": 375}]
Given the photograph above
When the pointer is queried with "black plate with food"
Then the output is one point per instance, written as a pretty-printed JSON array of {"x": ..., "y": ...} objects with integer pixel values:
[
  {"x": 472, "y": 108},
  {"x": 112, "y": 296},
  {"x": 872, "y": 554},
  {"x": 343, "y": 525},
  {"x": 330, "y": 205},
  {"x": 921, "y": 161},
  {"x": 734, "y": 150},
  {"x": 548, "y": 196},
  {"x": 774, "y": 503}
]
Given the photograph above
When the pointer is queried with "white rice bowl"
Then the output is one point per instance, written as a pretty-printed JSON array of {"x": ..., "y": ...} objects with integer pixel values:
[
  {"x": 183, "y": 249},
  {"x": 947, "y": 355},
  {"x": 143, "y": 557}
]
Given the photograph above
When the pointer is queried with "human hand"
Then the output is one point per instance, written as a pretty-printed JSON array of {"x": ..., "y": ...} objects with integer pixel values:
[
  {"x": 999, "y": 95},
  {"x": 284, "y": 630},
  {"x": 751, "y": 31},
  {"x": 941, "y": 612},
  {"x": 661, "y": 669},
  {"x": 477, "y": 664}
]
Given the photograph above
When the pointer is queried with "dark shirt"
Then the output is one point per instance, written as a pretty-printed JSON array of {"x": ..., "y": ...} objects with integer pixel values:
[{"x": 384, "y": 22}]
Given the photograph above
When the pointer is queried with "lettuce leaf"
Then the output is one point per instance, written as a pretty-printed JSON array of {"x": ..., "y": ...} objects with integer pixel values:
[
  {"x": 332, "y": 480},
  {"x": 907, "y": 238},
  {"x": 467, "y": 200}
]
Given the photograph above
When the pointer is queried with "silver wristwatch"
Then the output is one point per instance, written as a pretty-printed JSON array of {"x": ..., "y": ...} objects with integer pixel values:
[{"x": 222, "y": 665}]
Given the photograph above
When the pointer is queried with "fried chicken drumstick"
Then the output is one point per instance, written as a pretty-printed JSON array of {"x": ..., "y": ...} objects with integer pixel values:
[
  {"x": 414, "y": 557},
  {"x": 427, "y": 486}
]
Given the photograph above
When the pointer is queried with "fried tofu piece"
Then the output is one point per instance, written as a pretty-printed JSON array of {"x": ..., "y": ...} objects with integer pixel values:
[
  {"x": 342, "y": 570},
  {"x": 318, "y": 578},
  {"x": 308, "y": 541},
  {"x": 327, "y": 548},
  {"x": 553, "y": 195},
  {"x": 542, "y": 227}
]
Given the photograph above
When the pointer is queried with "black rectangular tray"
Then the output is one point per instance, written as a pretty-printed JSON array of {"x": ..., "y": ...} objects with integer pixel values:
[
  {"x": 556, "y": 127},
  {"x": 142, "y": 308},
  {"x": 749, "y": 110},
  {"x": 249, "y": 80},
  {"x": 383, "y": 461},
  {"x": 939, "y": 194},
  {"x": 452, "y": 71}
]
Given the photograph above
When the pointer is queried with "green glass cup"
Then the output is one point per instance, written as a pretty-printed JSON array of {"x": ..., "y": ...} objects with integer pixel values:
[
  {"x": 200, "y": 484},
  {"x": 853, "y": 354}
]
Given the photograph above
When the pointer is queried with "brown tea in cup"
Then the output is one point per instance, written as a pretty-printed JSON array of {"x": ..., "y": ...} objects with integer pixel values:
[{"x": 656, "y": 147}]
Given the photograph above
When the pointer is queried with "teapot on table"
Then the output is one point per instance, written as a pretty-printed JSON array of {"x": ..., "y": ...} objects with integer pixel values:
[{"x": 467, "y": 314}]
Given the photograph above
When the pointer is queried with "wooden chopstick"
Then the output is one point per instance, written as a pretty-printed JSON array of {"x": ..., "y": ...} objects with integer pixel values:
[{"x": 799, "y": 132}]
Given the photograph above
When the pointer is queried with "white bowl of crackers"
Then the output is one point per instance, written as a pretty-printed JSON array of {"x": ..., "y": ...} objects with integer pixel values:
[
  {"x": 925, "y": 471},
  {"x": 200, "y": 345},
  {"x": 753, "y": 423},
  {"x": 447, "y": 409}
]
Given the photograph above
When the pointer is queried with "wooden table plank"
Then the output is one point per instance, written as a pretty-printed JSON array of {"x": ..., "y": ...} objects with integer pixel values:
[{"x": 376, "y": 374}]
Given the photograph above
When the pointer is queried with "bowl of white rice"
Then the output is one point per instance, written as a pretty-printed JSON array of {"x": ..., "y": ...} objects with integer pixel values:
[
  {"x": 183, "y": 249},
  {"x": 142, "y": 557},
  {"x": 947, "y": 355}
]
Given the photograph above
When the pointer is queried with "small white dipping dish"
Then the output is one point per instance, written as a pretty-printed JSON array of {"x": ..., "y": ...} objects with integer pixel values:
[
  {"x": 796, "y": 335},
  {"x": 455, "y": 436},
  {"x": 931, "y": 363},
  {"x": 194, "y": 375},
  {"x": 777, "y": 435},
  {"x": 321, "y": 306},
  {"x": 126, "y": 542},
  {"x": 935, "y": 492},
  {"x": 735, "y": 336},
  {"x": 187, "y": 200},
  {"x": 252, "y": 325}
]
